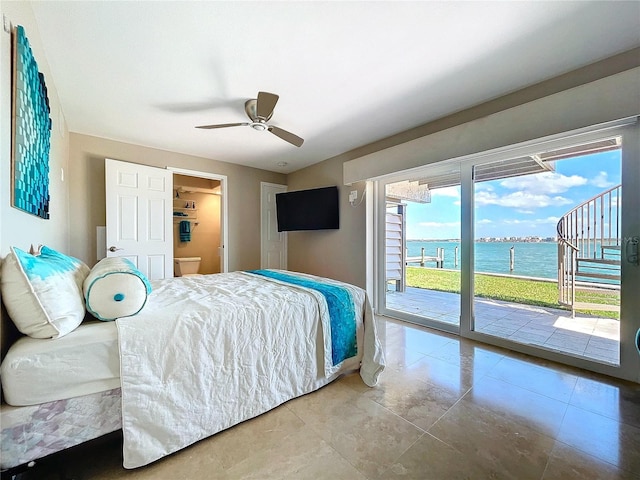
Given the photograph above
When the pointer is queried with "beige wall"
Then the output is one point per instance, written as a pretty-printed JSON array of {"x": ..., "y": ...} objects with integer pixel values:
[
  {"x": 205, "y": 228},
  {"x": 338, "y": 254},
  {"x": 18, "y": 228},
  {"x": 87, "y": 193},
  {"x": 341, "y": 254}
]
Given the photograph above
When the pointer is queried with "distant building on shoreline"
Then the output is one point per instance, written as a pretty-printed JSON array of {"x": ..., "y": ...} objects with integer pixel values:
[{"x": 530, "y": 239}]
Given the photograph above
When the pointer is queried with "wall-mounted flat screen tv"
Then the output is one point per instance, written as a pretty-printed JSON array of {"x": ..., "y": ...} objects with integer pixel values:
[{"x": 315, "y": 209}]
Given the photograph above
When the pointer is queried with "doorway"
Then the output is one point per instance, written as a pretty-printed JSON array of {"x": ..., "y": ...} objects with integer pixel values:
[
  {"x": 197, "y": 222},
  {"x": 273, "y": 244},
  {"x": 200, "y": 198},
  {"x": 422, "y": 235},
  {"x": 547, "y": 250},
  {"x": 611, "y": 256},
  {"x": 140, "y": 215}
]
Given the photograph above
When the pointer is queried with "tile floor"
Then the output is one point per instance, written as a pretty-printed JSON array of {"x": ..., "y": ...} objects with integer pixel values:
[
  {"x": 445, "y": 408},
  {"x": 585, "y": 335}
]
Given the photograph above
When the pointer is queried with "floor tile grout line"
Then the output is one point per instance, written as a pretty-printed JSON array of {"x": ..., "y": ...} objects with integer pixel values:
[
  {"x": 600, "y": 459},
  {"x": 554, "y": 437},
  {"x": 488, "y": 374},
  {"x": 567, "y": 403},
  {"x": 423, "y": 432},
  {"x": 607, "y": 417},
  {"x": 445, "y": 413}
]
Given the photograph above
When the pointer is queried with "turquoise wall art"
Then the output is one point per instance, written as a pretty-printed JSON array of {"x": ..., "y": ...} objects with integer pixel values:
[{"x": 31, "y": 131}]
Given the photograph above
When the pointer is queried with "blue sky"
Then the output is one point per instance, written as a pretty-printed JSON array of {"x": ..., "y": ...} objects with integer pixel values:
[{"x": 529, "y": 205}]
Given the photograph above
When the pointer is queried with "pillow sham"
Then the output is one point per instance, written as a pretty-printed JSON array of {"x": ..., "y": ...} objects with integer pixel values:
[
  {"x": 43, "y": 292},
  {"x": 115, "y": 288}
]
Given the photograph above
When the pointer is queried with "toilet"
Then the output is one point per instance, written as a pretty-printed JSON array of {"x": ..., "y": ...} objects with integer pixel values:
[{"x": 185, "y": 266}]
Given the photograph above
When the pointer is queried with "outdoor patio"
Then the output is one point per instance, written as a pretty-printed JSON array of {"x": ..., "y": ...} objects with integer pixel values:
[{"x": 585, "y": 335}]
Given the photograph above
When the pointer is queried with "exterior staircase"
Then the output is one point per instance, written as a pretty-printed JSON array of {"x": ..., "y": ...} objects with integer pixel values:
[{"x": 589, "y": 251}]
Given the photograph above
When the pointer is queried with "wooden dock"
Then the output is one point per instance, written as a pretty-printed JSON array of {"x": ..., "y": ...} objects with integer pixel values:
[{"x": 438, "y": 259}]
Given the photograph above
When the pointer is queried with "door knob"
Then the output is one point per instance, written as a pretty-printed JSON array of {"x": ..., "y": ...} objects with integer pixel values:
[{"x": 113, "y": 249}]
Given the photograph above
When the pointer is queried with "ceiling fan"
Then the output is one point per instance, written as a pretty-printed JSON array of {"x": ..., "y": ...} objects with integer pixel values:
[{"x": 259, "y": 112}]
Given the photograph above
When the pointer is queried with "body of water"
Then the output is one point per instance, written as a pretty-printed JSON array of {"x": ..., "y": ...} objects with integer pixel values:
[{"x": 531, "y": 259}]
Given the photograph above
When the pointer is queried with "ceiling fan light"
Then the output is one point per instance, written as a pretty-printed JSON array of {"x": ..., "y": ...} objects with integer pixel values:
[{"x": 261, "y": 127}]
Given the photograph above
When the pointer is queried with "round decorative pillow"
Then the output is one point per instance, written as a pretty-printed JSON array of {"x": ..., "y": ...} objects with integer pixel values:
[{"x": 115, "y": 288}]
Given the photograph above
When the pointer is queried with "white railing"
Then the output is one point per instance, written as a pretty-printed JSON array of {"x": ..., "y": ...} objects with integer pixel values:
[{"x": 589, "y": 246}]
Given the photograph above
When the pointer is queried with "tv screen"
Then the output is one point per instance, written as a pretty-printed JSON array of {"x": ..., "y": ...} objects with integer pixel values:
[{"x": 315, "y": 209}]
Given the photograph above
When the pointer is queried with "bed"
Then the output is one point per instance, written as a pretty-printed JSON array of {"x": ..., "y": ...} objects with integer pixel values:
[{"x": 204, "y": 353}]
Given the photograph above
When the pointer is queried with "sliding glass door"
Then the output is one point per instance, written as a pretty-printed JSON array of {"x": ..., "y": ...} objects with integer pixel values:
[
  {"x": 548, "y": 249},
  {"x": 543, "y": 255},
  {"x": 422, "y": 249}
]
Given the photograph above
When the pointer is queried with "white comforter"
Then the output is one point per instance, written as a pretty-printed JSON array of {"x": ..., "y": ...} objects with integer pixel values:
[{"x": 211, "y": 351}]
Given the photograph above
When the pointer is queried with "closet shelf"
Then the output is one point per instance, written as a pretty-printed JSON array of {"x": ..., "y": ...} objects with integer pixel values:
[
  {"x": 211, "y": 191},
  {"x": 185, "y": 209},
  {"x": 181, "y": 213}
]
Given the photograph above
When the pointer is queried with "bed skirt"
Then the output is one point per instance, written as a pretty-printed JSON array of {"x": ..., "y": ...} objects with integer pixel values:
[{"x": 33, "y": 432}]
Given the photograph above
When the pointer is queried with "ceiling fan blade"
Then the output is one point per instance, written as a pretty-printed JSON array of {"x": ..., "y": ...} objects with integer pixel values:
[
  {"x": 286, "y": 136},
  {"x": 266, "y": 103},
  {"x": 224, "y": 125}
]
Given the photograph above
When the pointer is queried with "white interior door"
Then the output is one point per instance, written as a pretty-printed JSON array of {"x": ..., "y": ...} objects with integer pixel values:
[
  {"x": 139, "y": 216},
  {"x": 273, "y": 243}
]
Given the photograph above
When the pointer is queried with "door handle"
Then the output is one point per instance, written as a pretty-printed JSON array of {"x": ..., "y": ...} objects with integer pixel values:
[
  {"x": 631, "y": 250},
  {"x": 113, "y": 249}
]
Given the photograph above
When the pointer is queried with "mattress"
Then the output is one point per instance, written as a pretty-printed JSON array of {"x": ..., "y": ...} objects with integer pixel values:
[{"x": 84, "y": 362}]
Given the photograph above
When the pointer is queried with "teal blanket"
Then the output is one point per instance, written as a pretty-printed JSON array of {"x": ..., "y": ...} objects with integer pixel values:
[{"x": 342, "y": 312}]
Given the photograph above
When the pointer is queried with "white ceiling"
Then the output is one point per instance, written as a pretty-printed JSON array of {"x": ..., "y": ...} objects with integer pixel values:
[{"x": 348, "y": 73}]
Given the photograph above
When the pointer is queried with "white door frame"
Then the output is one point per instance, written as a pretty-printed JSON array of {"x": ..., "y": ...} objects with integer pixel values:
[
  {"x": 224, "y": 224},
  {"x": 263, "y": 232}
]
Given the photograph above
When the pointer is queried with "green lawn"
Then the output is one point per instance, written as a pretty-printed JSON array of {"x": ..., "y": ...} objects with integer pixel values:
[{"x": 517, "y": 290}]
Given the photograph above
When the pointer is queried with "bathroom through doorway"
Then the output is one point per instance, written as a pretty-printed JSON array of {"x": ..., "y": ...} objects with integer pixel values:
[{"x": 198, "y": 224}]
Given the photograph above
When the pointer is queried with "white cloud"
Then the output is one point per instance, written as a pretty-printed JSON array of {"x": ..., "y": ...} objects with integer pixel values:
[
  {"x": 483, "y": 186},
  {"x": 446, "y": 192},
  {"x": 484, "y": 221},
  {"x": 536, "y": 221},
  {"x": 601, "y": 181},
  {"x": 546, "y": 183},
  {"x": 520, "y": 200},
  {"x": 439, "y": 224}
]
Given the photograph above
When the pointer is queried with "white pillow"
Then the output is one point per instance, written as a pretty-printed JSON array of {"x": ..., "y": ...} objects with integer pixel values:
[
  {"x": 43, "y": 292},
  {"x": 115, "y": 288}
]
